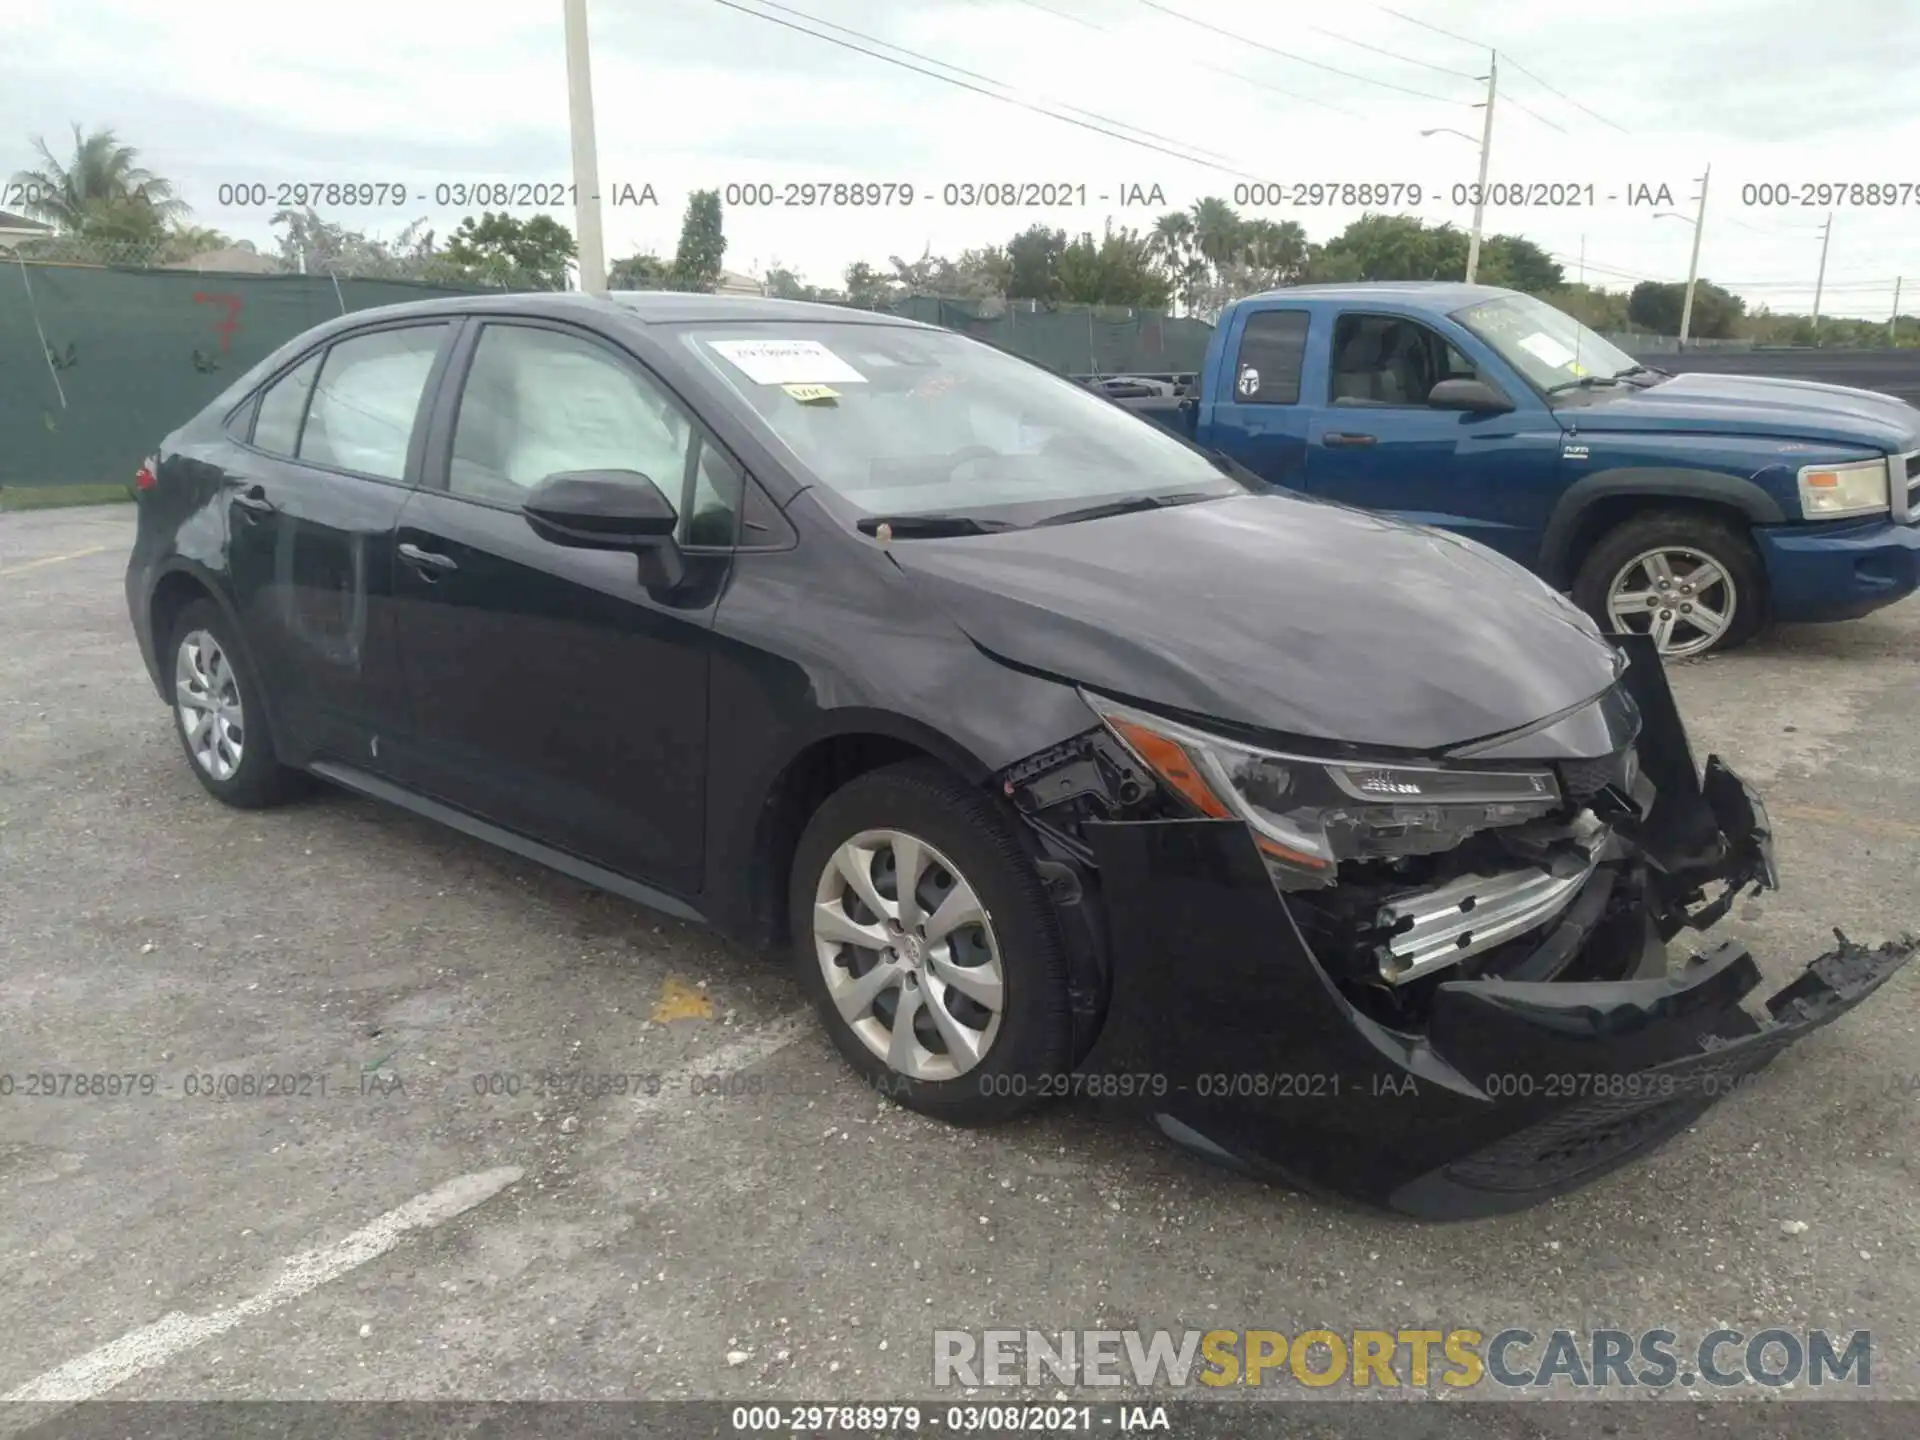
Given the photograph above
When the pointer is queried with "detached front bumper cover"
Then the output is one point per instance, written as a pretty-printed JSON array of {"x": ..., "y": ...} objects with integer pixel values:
[{"x": 1517, "y": 1091}]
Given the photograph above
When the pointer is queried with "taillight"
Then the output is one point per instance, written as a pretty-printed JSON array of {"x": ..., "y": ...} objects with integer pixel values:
[{"x": 144, "y": 478}]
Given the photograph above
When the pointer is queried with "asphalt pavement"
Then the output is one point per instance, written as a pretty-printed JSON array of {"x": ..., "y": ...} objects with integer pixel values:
[{"x": 411, "y": 1214}]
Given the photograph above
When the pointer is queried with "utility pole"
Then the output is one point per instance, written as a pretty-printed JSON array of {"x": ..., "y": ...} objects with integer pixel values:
[
  {"x": 1693, "y": 265},
  {"x": 1486, "y": 146},
  {"x": 586, "y": 165},
  {"x": 1893, "y": 320},
  {"x": 1820, "y": 280},
  {"x": 1583, "y": 258}
]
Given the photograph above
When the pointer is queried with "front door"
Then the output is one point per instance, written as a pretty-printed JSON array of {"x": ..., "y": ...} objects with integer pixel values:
[
  {"x": 1374, "y": 442},
  {"x": 316, "y": 486},
  {"x": 554, "y": 693}
]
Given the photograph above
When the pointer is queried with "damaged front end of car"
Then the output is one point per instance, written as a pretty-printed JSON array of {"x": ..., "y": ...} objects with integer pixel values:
[{"x": 1437, "y": 986}]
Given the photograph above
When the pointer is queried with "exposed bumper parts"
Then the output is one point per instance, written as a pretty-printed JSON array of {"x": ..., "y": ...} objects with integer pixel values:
[{"x": 1514, "y": 1090}]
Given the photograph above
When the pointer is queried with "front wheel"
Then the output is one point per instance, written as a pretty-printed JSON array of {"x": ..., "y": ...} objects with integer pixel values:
[
  {"x": 925, "y": 940},
  {"x": 1692, "y": 582}
]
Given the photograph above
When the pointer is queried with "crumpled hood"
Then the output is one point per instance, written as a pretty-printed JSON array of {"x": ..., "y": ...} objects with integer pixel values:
[
  {"x": 1278, "y": 612},
  {"x": 1756, "y": 405}
]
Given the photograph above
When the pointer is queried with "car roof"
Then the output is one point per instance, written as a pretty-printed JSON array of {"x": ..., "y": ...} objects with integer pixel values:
[
  {"x": 648, "y": 307},
  {"x": 1438, "y": 295}
]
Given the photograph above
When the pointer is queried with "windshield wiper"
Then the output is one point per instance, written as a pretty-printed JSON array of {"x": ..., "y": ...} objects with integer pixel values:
[
  {"x": 1633, "y": 370},
  {"x": 931, "y": 526},
  {"x": 1126, "y": 507},
  {"x": 1585, "y": 382}
]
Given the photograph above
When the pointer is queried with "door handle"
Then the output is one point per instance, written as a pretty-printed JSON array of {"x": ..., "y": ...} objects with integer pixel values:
[
  {"x": 254, "y": 498},
  {"x": 426, "y": 561},
  {"x": 1345, "y": 438}
]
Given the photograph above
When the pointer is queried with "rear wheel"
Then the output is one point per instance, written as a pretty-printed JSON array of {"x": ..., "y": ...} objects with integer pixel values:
[
  {"x": 924, "y": 938},
  {"x": 219, "y": 715},
  {"x": 1692, "y": 582}
]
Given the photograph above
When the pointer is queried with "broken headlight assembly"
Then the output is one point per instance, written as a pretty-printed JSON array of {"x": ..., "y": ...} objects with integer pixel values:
[{"x": 1308, "y": 814}]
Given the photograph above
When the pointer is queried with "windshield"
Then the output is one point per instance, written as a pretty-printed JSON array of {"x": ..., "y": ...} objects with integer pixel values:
[
  {"x": 1547, "y": 347},
  {"x": 905, "y": 421}
]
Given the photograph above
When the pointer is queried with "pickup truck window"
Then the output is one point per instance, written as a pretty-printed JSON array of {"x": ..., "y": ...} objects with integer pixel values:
[
  {"x": 908, "y": 421},
  {"x": 1548, "y": 347},
  {"x": 1272, "y": 346},
  {"x": 1389, "y": 360}
]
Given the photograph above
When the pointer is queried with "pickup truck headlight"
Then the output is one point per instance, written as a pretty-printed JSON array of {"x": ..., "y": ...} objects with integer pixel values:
[
  {"x": 1830, "y": 491},
  {"x": 1308, "y": 814}
]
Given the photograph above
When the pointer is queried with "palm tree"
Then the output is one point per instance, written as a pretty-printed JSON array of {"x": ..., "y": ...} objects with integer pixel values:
[
  {"x": 1172, "y": 245},
  {"x": 103, "y": 185},
  {"x": 1216, "y": 232}
]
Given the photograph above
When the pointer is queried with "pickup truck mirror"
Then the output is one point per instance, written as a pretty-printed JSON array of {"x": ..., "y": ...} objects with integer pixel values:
[{"x": 1472, "y": 395}]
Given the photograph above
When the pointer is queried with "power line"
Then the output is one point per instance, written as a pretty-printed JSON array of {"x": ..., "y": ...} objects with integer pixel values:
[
  {"x": 988, "y": 79},
  {"x": 978, "y": 90},
  {"x": 1511, "y": 61},
  {"x": 1509, "y": 100},
  {"x": 1202, "y": 64},
  {"x": 1297, "y": 59},
  {"x": 1390, "y": 54}
]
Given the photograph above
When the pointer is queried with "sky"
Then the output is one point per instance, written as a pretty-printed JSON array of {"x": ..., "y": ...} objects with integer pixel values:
[{"x": 1598, "y": 100}]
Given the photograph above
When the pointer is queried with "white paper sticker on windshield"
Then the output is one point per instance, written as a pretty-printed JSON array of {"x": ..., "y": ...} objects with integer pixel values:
[
  {"x": 788, "y": 362},
  {"x": 1545, "y": 348}
]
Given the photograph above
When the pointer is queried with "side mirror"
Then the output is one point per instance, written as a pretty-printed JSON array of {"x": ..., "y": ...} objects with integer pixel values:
[
  {"x": 609, "y": 510},
  {"x": 1475, "y": 396},
  {"x": 600, "y": 510}
]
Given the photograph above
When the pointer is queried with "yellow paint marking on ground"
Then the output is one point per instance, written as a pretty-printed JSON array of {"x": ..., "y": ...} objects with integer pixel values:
[
  {"x": 680, "y": 1001},
  {"x": 1901, "y": 829},
  {"x": 54, "y": 560}
]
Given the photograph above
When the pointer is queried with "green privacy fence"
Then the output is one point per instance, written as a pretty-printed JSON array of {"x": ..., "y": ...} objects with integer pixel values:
[
  {"x": 97, "y": 363},
  {"x": 1073, "y": 340}
]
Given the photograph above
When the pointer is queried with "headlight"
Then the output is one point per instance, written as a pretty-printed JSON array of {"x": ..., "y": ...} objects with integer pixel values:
[
  {"x": 1830, "y": 491},
  {"x": 1307, "y": 814}
]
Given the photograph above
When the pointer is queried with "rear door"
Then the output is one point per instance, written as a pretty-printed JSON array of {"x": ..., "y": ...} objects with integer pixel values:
[
  {"x": 554, "y": 693},
  {"x": 322, "y": 466},
  {"x": 1374, "y": 442},
  {"x": 1257, "y": 417}
]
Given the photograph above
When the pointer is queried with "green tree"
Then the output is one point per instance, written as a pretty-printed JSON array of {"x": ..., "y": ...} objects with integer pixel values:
[
  {"x": 512, "y": 254},
  {"x": 1523, "y": 264},
  {"x": 703, "y": 244},
  {"x": 103, "y": 186},
  {"x": 1394, "y": 247},
  {"x": 308, "y": 243},
  {"x": 783, "y": 284},
  {"x": 644, "y": 271},
  {"x": 1117, "y": 269},
  {"x": 1033, "y": 263},
  {"x": 1657, "y": 306},
  {"x": 867, "y": 287},
  {"x": 1173, "y": 249}
]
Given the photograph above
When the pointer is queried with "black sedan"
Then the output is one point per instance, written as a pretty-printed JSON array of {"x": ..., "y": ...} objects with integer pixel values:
[{"x": 1066, "y": 758}]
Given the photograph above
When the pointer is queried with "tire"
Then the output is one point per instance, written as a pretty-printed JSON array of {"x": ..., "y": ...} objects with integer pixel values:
[
  {"x": 1005, "y": 1059},
  {"x": 1624, "y": 558},
  {"x": 218, "y": 667}
]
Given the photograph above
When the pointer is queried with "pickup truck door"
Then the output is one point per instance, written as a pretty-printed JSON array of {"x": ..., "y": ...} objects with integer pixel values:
[
  {"x": 1373, "y": 442},
  {"x": 1256, "y": 415}
]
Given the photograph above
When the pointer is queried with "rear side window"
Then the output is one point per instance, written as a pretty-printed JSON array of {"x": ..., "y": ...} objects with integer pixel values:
[
  {"x": 1267, "y": 371},
  {"x": 277, "y": 427},
  {"x": 364, "y": 405}
]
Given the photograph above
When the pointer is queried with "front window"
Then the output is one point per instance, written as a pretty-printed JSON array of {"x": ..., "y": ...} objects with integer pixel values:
[
  {"x": 1550, "y": 349},
  {"x": 906, "y": 422}
]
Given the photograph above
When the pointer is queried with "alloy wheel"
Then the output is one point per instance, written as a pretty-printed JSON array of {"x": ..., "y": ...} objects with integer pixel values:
[
  {"x": 909, "y": 955},
  {"x": 1684, "y": 599},
  {"x": 207, "y": 701}
]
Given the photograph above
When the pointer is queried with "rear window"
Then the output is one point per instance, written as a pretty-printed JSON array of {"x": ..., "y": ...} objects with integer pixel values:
[{"x": 1267, "y": 370}]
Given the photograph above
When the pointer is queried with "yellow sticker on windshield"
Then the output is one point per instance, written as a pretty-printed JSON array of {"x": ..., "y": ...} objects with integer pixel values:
[
  {"x": 812, "y": 394},
  {"x": 1577, "y": 368}
]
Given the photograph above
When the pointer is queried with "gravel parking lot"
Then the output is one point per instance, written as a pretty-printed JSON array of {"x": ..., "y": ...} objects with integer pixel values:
[{"x": 795, "y": 1236}]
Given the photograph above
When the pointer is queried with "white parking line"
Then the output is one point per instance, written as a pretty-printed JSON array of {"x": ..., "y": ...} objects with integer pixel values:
[
  {"x": 749, "y": 1049},
  {"x": 100, "y": 1370},
  {"x": 118, "y": 1361}
]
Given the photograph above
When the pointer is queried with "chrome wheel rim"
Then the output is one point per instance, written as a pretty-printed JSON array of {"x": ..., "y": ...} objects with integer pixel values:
[
  {"x": 908, "y": 951},
  {"x": 207, "y": 701},
  {"x": 1683, "y": 598}
]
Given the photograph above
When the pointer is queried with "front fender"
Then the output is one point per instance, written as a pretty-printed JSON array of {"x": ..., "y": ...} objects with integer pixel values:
[{"x": 1653, "y": 482}]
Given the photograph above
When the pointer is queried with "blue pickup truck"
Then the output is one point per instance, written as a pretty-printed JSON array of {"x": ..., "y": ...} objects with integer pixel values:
[{"x": 1694, "y": 508}]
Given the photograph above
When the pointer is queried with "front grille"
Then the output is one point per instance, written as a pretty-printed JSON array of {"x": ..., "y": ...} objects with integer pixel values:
[{"x": 1587, "y": 1139}]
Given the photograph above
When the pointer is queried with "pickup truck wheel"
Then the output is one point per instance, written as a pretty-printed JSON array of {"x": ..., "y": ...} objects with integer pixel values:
[
  {"x": 1695, "y": 584},
  {"x": 923, "y": 935}
]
